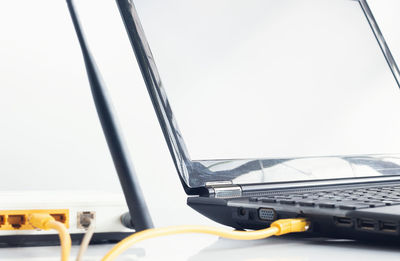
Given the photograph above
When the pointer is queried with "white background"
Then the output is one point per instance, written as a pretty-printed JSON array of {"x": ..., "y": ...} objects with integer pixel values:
[{"x": 51, "y": 139}]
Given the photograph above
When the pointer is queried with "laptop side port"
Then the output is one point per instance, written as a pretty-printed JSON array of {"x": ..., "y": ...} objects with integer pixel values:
[
  {"x": 366, "y": 224},
  {"x": 343, "y": 222},
  {"x": 388, "y": 226},
  {"x": 267, "y": 214}
]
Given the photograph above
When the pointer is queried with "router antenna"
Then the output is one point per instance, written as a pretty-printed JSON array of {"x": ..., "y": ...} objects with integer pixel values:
[{"x": 139, "y": 217}]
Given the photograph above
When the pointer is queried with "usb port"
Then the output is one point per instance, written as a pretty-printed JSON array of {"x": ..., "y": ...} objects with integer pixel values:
[
  {"x": 387, "y": 226},
  {"x": 366, "y": 224},
  {"x": 343, "y": 222}
]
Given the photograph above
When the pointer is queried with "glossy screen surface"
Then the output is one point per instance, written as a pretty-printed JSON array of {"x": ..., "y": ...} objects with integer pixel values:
[{"x": 264, "y": 79}]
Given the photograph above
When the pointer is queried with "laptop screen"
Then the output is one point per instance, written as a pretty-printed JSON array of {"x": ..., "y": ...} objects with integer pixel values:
[{"x": 260, "y": 79}]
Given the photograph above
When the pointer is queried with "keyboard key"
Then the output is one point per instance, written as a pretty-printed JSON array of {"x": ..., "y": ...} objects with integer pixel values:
[
  {"x": 326, "y": 205},
  {"x": 253, "y": 199},
  {"x": 268, "y": 200},
  {"x": 287, "y": 201},
  {"x": 390, "y": 203},
  {"x": 307, "y": 203},
  {"x": 353, "y": 206},
  {"x": 376, "y": 204}
]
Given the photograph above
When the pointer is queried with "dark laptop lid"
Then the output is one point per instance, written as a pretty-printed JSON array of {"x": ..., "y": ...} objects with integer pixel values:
[{"x": 262, "y": 90}]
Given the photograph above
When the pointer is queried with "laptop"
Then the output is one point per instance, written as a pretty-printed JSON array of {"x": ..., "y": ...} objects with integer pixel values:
[{"x": 263, "y": 92}]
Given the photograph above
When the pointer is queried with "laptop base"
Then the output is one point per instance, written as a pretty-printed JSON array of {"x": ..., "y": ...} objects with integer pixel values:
[{"x": 335, "y": 219}]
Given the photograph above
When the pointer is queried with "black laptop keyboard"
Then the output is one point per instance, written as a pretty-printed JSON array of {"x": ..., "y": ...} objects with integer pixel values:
[{"x": 347, "y": 199}]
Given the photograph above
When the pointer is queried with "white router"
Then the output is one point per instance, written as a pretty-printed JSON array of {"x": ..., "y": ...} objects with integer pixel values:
[{"x": 76, "y": 209}]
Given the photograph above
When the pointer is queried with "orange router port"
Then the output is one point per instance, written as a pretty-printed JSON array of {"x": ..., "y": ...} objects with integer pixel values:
[
  {"x": 59, "y": 217},
  {"x": 16, "y": 221},
  {"x": 19, "y": 219}
]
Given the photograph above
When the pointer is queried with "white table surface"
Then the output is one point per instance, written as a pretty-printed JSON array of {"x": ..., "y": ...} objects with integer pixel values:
[{"x": 44, "y": 133}]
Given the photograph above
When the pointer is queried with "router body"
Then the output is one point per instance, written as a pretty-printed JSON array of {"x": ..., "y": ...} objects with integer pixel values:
[{"x": 73, "y": 208}]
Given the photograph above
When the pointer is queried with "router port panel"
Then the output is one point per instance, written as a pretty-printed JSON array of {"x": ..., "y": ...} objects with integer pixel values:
[
  {"x": 105, "y": 209},
  {"x": 18, "y": 219}
]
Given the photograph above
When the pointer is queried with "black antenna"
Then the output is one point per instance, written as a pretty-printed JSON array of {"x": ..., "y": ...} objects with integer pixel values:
[{"x": 138, "y": 216}]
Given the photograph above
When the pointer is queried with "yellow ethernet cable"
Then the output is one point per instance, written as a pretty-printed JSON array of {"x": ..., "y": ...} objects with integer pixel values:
[
  {"x": 46, "y": 221},
  {"x": 277, "y": 228}
]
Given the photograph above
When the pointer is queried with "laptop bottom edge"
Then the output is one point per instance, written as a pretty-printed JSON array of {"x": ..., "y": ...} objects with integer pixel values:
[{"x": 374, "y": 224}]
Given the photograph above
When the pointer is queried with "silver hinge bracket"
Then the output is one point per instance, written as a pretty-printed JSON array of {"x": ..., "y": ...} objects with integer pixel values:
[{"x": 224, "y": 189}]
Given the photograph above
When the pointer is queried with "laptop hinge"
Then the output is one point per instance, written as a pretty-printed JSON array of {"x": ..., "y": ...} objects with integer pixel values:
[{"x": 223, "y": 189}]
